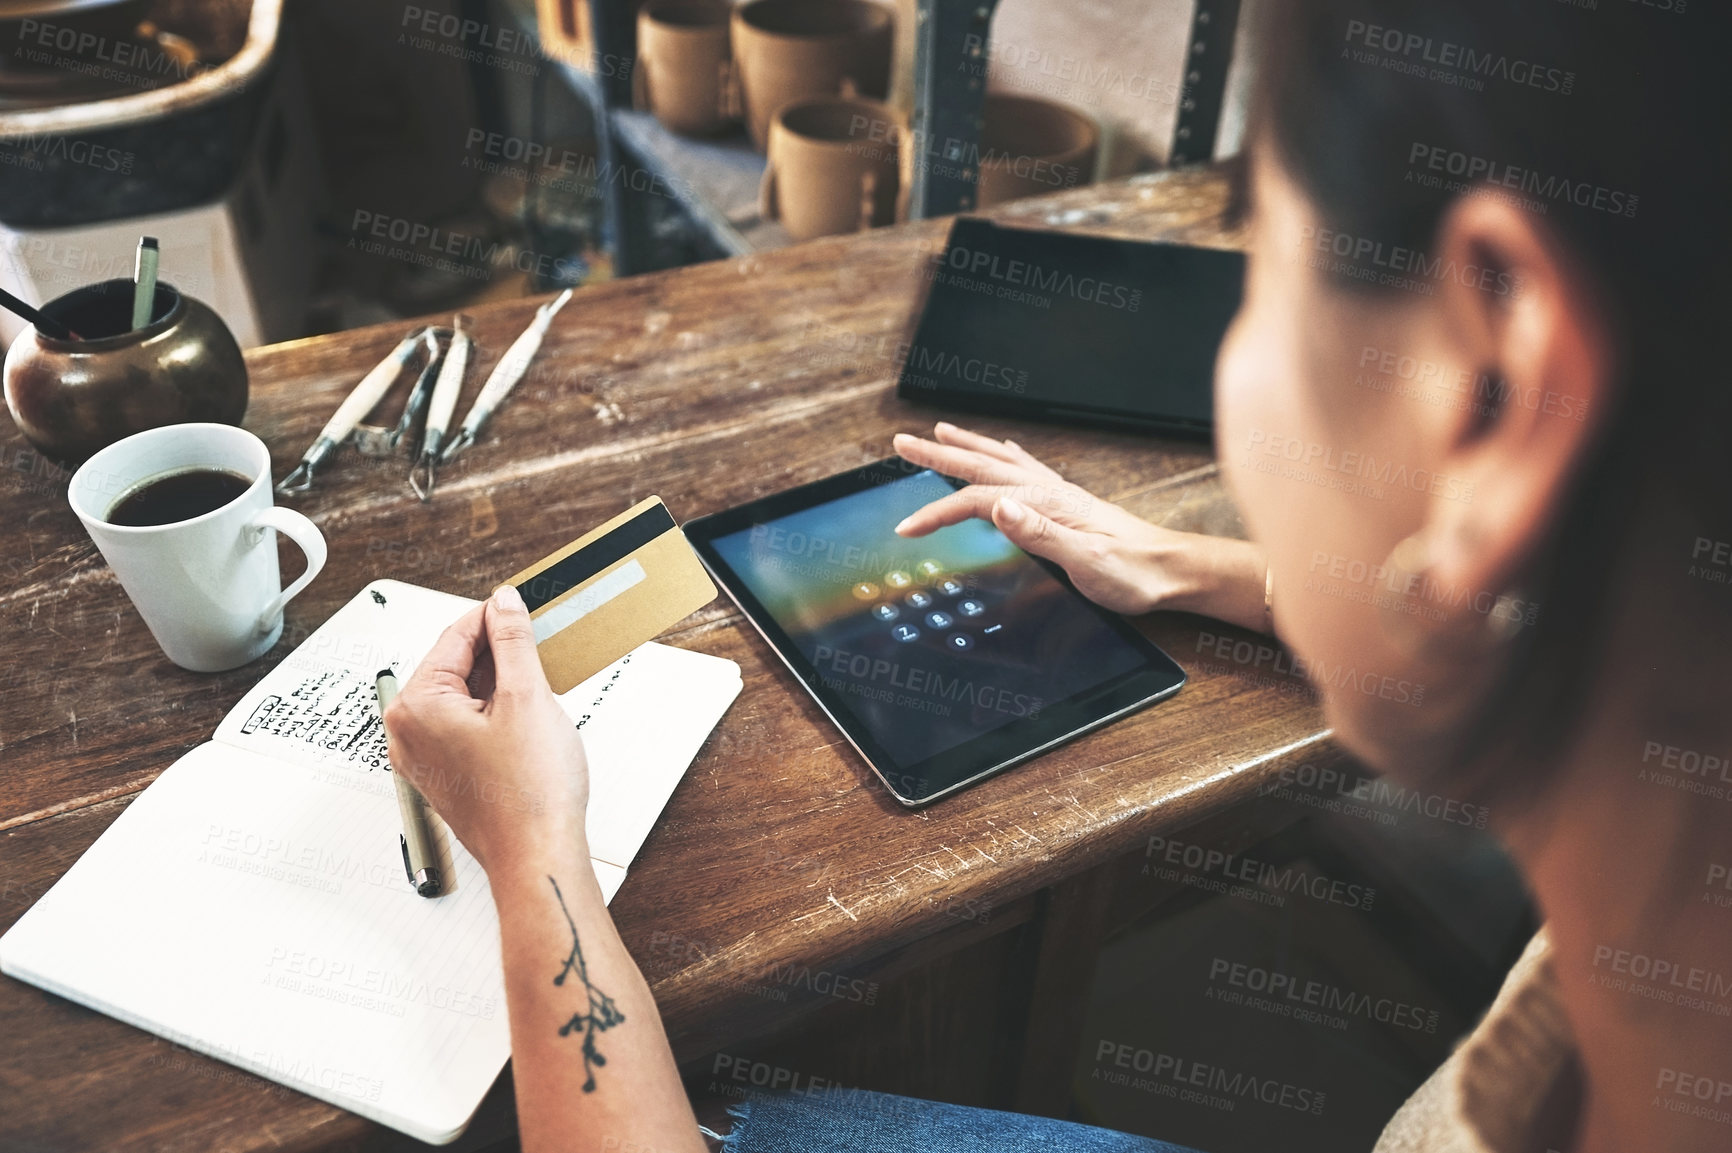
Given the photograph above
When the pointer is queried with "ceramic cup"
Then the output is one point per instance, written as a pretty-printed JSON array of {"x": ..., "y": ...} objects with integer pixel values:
[
  {"x": 832, "y": 166},
  {"x": 684, "y": 73},
  {"x": 1029, "y": 147},
  {"x": 789, "y": 49},
  {"x": 209, "y": 587}
]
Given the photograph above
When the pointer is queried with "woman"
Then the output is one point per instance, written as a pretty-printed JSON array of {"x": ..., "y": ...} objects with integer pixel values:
[{"x": 1487, "y": 251}]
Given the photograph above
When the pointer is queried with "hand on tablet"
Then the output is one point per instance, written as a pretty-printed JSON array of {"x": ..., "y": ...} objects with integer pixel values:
[{"x": 1114, "y": 558}]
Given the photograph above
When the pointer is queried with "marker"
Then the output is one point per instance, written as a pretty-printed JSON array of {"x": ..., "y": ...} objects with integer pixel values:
[
  {"x": 419, "y": 863},
  {"x": 144, "y": 282}
]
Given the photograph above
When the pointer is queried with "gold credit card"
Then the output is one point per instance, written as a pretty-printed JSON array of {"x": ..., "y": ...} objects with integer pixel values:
[{"x": 610, "y": 590}]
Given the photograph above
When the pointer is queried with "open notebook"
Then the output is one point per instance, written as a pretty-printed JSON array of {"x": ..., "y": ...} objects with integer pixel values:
[{"x": 251, "y": 903}]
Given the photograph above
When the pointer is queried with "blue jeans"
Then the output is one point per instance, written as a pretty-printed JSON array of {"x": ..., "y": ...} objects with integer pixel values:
[{"x": 856, "y": 1121}]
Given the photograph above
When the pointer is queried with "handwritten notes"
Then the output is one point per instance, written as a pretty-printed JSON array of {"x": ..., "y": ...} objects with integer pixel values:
[{"x": 333, "y": 713}]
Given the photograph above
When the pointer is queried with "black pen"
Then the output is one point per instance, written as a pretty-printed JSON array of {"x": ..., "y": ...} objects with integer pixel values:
[{"x": 419, "y": 863}]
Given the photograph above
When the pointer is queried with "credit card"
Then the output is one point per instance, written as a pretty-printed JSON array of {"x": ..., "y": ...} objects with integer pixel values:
[{"x": 610, "y": 590}]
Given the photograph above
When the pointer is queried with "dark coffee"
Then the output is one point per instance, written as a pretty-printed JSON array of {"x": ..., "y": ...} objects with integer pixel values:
[{"x": 178, "y": 496}]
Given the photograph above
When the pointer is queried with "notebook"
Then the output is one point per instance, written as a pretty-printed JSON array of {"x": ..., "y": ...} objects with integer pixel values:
[{"x": 251, "y": 903}]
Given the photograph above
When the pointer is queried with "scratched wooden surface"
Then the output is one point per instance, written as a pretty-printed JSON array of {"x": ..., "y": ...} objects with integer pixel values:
[{"x": 779, "y": 854}]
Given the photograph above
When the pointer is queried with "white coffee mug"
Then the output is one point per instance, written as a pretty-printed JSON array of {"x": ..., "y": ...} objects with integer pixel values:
[{"x": 208, "y": 587}]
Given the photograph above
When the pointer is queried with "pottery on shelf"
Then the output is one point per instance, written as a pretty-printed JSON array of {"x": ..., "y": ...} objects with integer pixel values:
[
  {"x": 786, "y": 50},
  {"x": 832, "y": 166},
  {"x": 1029, "y": 147},
  {"x": 685, "y": 70}
]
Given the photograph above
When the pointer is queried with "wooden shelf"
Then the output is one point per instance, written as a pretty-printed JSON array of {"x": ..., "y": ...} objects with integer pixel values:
[{"x": 716, "y": 181}]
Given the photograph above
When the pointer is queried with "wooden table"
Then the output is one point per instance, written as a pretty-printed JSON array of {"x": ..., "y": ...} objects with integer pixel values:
[{"x": 710, "y": 386}]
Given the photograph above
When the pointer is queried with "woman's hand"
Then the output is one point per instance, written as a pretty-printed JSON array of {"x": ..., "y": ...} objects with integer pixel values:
[
  {"x": 478, "y": 731},
  {"x": 1117, "y": 560}
]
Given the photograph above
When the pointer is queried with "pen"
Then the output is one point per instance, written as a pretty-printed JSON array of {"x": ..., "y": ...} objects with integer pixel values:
[
  {"x": 144, "y": 282},
  {"x": 419, "y": 863}
]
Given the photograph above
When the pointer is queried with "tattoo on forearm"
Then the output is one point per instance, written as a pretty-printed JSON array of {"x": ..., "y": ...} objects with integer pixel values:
[{"x": 602, "y": 1014}]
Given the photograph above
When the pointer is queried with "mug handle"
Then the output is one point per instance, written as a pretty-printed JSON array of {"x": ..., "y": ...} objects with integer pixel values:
[
  {"x": 903, "y": 135},
  {"x": 728, "y": 88},
  {"x": 768, "y": 209},
  {"x": 306, "y": 536},
  {"x": 868, "y": 201}
]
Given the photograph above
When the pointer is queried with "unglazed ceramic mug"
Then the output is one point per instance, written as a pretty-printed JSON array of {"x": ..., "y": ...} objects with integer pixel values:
[
  {"x": 208, "y": 587},
  {"x": 1029, "y": 147},
  {"x": 789, "y": 49},
  {"x": 832, "y": 166},
  {"x": 685, "y": 70}
]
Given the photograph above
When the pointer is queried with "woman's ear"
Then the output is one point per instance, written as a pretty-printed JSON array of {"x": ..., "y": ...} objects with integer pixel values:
[{"x": 1517, "y": 433}]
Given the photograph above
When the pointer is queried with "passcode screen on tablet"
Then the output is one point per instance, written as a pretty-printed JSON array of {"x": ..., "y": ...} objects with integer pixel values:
[{"x": 926, "y": 645}]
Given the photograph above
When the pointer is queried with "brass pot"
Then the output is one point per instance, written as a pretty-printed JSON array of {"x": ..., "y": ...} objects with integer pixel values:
[{"x": 73, "y": 397}]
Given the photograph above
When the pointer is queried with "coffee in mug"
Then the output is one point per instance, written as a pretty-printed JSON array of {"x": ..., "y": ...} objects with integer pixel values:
[{"x": 176, "y": 497}]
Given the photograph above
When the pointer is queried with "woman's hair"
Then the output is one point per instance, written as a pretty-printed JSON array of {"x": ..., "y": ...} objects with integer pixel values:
[{"x": 1606, "y": 119}]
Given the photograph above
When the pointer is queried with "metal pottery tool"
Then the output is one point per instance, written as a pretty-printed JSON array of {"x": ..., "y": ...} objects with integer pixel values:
[
  {"x": 422, "y": 474},
  {"x": 504, "y": 377},
  {"x": 358, "y": 404},
  {"x": 378, "y": 440}
]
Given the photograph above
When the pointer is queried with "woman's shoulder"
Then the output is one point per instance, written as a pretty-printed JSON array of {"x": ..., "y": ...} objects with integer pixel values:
[{"x": 1494, "y": 1092}]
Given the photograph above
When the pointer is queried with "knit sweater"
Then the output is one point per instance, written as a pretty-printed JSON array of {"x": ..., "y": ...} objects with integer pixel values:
[{"x": 1489, "y": 1096}]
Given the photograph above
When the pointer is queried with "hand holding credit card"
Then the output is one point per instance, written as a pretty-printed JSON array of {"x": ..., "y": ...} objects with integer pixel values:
[{"x": 610, "y": 590}]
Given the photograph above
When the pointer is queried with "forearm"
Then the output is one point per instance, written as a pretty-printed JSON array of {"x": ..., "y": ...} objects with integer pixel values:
[
  {"x": 1217, "y": 577},
  {"x": 591, "y": 1062}
]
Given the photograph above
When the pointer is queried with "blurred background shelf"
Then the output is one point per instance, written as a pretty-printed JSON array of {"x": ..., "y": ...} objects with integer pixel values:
[
  {"x": 715, "y": 180},
  {"x": 713, "y": 184},
  {"x": 366, "y": 123}
]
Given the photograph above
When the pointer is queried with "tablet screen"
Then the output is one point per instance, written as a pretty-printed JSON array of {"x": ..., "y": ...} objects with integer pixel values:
[{"x": 928, "y": 643}]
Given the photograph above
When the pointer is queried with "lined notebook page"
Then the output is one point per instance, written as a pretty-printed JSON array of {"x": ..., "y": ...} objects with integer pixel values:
[{"x": 251, "y": 903}]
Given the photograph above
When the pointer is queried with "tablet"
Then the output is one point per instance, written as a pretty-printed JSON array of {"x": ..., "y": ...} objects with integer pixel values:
[
  {"x": 943, "y": 660},
  {"x": 1056, "y": 326}
]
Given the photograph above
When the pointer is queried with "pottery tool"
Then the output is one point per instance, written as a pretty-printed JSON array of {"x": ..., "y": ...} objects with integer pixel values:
[
  {"x": 40, "y": 319},
  {"x": 439, "y": 411},
  {"x": 358, "y": 404},
  {"x": 378, "y": 440},
  {"x": 405, "y": 434},
  {"x": 144, "y": 282},
  {"x": 504, "y": 377}
]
